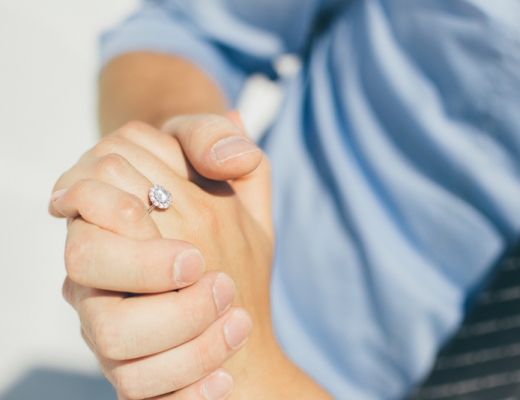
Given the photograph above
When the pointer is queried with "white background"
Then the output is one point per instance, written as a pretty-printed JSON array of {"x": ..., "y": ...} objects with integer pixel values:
[{"x": 48, "y": 66}]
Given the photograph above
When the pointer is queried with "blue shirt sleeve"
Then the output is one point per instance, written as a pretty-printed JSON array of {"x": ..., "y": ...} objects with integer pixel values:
[{"x": 228, "y": 39}]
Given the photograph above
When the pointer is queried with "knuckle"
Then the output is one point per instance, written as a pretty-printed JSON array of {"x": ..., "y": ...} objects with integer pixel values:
[
  {"x": 132, "y": 208},
  {"x": 107, "y": 337},
  {"x": 111, "y": 165},
  {"x": 131, "y": 128},
  {"x": 66, "y": 291},
  {"x": 78, "y": 190},
  {"x": 76, "y": 258},
  {"x": 107, "y": 145},
  {"x": 127, "y": 381}
]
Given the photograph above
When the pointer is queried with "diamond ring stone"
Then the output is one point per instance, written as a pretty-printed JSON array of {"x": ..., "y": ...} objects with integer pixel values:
[{"x": 160, "y": 198}]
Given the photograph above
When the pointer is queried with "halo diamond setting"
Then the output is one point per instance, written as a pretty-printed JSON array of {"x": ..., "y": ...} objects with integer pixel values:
[{"x": 160, "y": 197}]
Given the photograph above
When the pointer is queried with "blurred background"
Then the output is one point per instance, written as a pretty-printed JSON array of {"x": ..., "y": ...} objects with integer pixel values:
[{"x": 48, "y": 68}]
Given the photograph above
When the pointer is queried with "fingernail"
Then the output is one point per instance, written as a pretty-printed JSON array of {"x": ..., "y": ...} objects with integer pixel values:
[
  {"x": 57, "y": 194},
  {"x": 189, "y": 266},
  {"x": 232, "y": 147},
  {"x": 217, "y": 386},
  {"x": 223, "y": 292},
  {"x": 238, "y": 328}
]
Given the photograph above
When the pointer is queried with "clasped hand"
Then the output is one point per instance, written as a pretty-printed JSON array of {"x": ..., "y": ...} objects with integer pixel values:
[{"x": 158, "y": 323}]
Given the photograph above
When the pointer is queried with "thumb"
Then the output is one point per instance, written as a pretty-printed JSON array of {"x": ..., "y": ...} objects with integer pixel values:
[
  {"x": 217, "y": 147},
  {"x": 235, "y": 117}
]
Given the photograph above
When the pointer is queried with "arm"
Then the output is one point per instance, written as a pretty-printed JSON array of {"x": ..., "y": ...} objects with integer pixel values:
[
  {"x": 145, "y": 86},
  {"x": 226, "y": 40}
]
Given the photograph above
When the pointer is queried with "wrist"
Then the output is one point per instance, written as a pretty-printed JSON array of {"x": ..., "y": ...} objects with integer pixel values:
[{"x": 261, "y": 370}]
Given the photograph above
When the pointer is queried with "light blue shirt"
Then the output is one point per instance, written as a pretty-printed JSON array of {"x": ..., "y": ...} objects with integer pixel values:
[{"x": 395, "y": 161}]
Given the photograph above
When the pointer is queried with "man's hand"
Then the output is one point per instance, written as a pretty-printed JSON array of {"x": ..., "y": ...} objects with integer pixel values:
[
  {"x": 118, "y": 327},
  {"x": 112, "y": 245},
  {"x": 153, "y": 88}
]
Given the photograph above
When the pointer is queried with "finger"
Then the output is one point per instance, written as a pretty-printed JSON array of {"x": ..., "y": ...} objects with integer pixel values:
[
  {"x": 180, "y": 367},
  {"x": 216, "y": 147},
  {"x": 108, "y": 207},
  {"x": 195, "y": 132},
  {"x": 111, "y": 168},
  {"x": 123, "y": 155},
  {"x": 99, "y": 258},
  {"x": 139, "y": 156},
  {"x": 75, "y": 295},
  {"x": 163, "y": 146},
  {"x": 117, "y": 170},
  {"x": 217, "y": 385},
  {"x": 124, "y": 164},
  {"x": 118, "y": 155},
  {"x": 139, "y": 326}
]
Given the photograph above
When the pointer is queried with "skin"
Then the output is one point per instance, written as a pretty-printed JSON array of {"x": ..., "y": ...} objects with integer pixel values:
[
  {"x": 146, "y": 87},
  {"x": 115, "y": 247}
]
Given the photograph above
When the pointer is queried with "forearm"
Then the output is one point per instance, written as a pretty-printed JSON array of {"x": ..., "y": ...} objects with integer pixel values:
[
  {"x": 152, "y": 88},
  {"x": 262, "y": 371}
]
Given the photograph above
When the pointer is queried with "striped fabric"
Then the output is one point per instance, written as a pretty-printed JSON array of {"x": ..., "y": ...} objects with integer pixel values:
[{"x": 482, "y": 362}]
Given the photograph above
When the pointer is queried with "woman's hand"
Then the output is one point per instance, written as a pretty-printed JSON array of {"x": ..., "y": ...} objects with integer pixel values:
[
  {"x": 142, "y": 262},
  {"x": 154, "y": 344}
]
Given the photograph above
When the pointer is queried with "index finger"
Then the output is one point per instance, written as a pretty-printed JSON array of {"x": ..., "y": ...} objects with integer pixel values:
[
  {"x": 98, "y": 258},
  {"x": 119, "y": 212}
]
